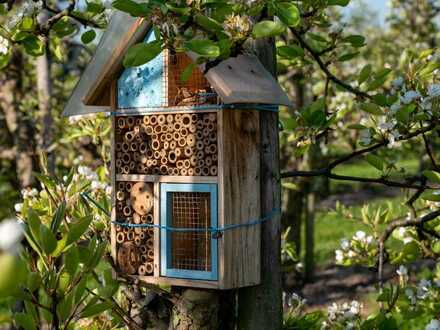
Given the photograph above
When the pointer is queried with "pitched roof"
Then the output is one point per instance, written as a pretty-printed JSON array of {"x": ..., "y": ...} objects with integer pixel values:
[{"x": 242, "y": 79}]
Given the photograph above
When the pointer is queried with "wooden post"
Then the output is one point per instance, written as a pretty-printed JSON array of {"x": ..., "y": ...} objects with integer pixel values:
[{"x": 260, "y": 307}]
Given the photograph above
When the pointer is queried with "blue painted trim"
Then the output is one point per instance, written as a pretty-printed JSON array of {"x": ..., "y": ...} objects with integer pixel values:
[{"x": 165, "y": 219}]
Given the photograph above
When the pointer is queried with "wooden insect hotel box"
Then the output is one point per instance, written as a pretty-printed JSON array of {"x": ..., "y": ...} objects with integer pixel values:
[{"x": 185, "y": 160}]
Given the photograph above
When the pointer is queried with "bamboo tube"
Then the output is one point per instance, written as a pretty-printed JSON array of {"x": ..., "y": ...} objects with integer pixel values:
[
  {"x": 136, "y": 218},
  {"x": 163, "y": 153},
  {"x": 158, "y": 129},
  {"x": 120, "y": 195},
  {"x": 199, "y": 125},
  {"x": 182, "y": 142},
  {"x": 194, "y": 118},
  {"x": 149, "y": 267},
  {"x": 150, "y": 153},
  {"x": 176, "y": 171},
  {"x": 118, "y": 163},
  {"x": 150, "y": 218},
  {"x": 122, "y": 186},
  {"x": 149, "y": 130},
  {"x": 200, "y": 145},
  {"x": 165, "y": 129},
  {"x": 143, "y": 249},
  {"x": 149, "y": 163},
  {"x": 118, "y": 229},
  {"x": 146, "y": 120},
  {"x": 150, "y": 254},
  {"x": 120, "y": 237},
  {"x": 163, "y": 169},
  {"x": 187, "y": 163},
  {"x": 212, "y": 117},
  {"x": 208, "y": 161},
  {"x": 183, "y": 172},
  {"x": 172, "y": 157},
  {"x": 118, "y": 146},
  {"x": 214, "y": 157},
  {"x": 213, "y": 137},
  {"x": 168, "y": 137},
  {"x": 164, "y": 160},
  {"x": 129, "y": 236},
  {"x": 198, "y": 171},
  {"x": 170, "y": 119},
  {"x": 156, "y": 171},
  {"x": 211, "y": 127},
  {"x": 138, "y": 121},
  {"x": 191, "y": 172},
  {"x": 126, "y": 158},
  {"x": 205, "y": 171},
  {"x": 166, "y": 145},
  {"x": 188, "y": 152},
  {"x": 184, "y": 132},
  {"x": 125, "y": 147},
  {"x": 126, "y": 230},
  {"x": 140, "y": 168},
  {"x": 179, "y": 164},
  {"x": 178, "y": 117},
  {"x": 125, "y": 169},
  {"x": 153, "y": 120},
  {"x": 142, "y": 270},
  {"x": 143, "y": 147},
  {"x": 161, "y": 119},
  {"x": 191, "y": 140},
  {"x": 173, "y": 145},
  {"x": 136, "y": 157},
  {"x": 128, "y": 186},
  {"x": 200, "y": 162},
  {"x": 177, "y": 126},
  {"x": 134, "y": 146},
  {"x": 144, "y": 218},
  {"x": 150, "y": 243},
  {"x": 206, "y": 141},
  {"x": 130, "y": 121},
  {"x": 142, "y": 235},
  {"x": 144, "y": 258},
  {"x": 129, "y": 136},
  {"x": 121, "y": 122},
  {"x": 212, "y": 149},
  {"x": 132, "y": 165},
  {"x": 170, "y": 170},
  {"x": 118, "y": 133},
  {"x": 119, "y": 154},
  {"x": 192, "y": 128},
  {"x": 186, "y": 120},
  {"x": 178, "y": 152},
  {"x": 206, "y": 132},
  {"x": 127, "y": 211},
  {"x": 193, "y": 160},
  {"x": 150, "y": 233},
  {"x": 163, "y": 138},
  {"x": 176, "y": 136},
  {"x": 213, "y": 170},
  {"x": 137, "y": 240},
  {"x": 155, "y": 162},
  {"x": 155, "y": 144},
  {"x": 206, "y": 120},
  {"x": 200, "y": 155},
  {"x": 119, "y": 206}
]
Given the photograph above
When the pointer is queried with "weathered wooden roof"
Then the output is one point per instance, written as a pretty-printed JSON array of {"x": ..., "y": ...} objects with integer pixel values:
[{"x": 239, "y": 80}]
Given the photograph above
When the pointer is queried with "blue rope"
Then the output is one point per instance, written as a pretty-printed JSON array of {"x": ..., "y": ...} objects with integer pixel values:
[{"x": 216, "y": 231}]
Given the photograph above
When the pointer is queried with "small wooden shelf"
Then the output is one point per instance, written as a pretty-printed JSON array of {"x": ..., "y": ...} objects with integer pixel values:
[{"x": 166, "y": 179}]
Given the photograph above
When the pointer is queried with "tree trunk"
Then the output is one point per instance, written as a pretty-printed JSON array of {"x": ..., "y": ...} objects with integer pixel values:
[
  {"x": 43, "y": 71},
  {"x": 260, "y": 307}
]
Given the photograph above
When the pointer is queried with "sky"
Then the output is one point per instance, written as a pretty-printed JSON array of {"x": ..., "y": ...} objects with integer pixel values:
[{"x": 380, "y": 6}]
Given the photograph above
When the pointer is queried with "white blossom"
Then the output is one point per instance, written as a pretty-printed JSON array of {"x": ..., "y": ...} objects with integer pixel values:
[
  {"x": 360, "y": 235},
  {"x": 365, "y": 137},
  {"x": 4, "y": 46},
  {"x": 18, "y": 207},
  {"x": 411, "y": 296},
  {"x": 434, "y": 90},
  {"x": 433, "y": 325},
  {"x": 398, "y": 82},
  {"x": 402, "y": 271},
  {"x": 345, "y": 244},
  {"x": 11, "y": 233},
  {"x": 410, "y": 96},
  {"x": 339, "y": 256}
]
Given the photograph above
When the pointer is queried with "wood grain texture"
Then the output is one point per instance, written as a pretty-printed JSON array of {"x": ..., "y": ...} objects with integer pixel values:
[
  {"x": 178, "y": 282},
  {"x": 240, "y": 175},
  {"x": 166, "y": 178},
  {"x": 156, "y": 230},
  {"x": 113, "y": 173}
]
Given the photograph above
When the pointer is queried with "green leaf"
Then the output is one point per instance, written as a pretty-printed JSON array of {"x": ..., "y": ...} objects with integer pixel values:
[
  {"x": 403, "y": 114},
  {"x": 27, "y": 23},
  {"x": 58, "y": 217},
  {"x": 206, "y": 48},
  {"x": 436, "y": 247},
  {"x": 25, "y": 321},
  {"x": 78, "y": 229},
  {"x": 13, "y": 272},
  {"x": 88, "y": 36},
  {"x": 432, "y": 176},
  {"x": 63, "y": 27},
  {"x": 342, "y": 3},
  {"x": 291, "y": 52},
  {"x": 430, "y": 196},
  {"x": 33, "y": 46},
  {"x": 266, "y": 29},
  {"x": 372, "y": 108},
  {"x": 186, "y": 74},
  {"x": 95, "y": 309},
  {"x": 357, "y": 127},
  {"x": 365, "y": 73},
  {"x": 355, "y": 40},
  {"x": 94, "y": 7},
  {"x": 142, "y": 53},
  {"x": 347, "y": 56},
  {"x": 48, "y": 240},
  {"x": 132, "y": 8},
  {"x": 72, "y": 260},
  {"x": 33, "y": 281},
  {"x": 288, "y": 13},
  {"x": 208, "y": 23},
  {"x": 375, "y": 161},
  {"x": 34, "y": 223}
]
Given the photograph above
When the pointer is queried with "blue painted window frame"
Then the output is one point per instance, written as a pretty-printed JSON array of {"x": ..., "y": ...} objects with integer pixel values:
[{"x": 165, "y": 219}]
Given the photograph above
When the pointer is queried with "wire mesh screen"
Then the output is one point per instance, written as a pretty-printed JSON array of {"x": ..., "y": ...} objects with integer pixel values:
[
  {"x": 194, "y": 91},
  {"x": 191, "y": 250}
]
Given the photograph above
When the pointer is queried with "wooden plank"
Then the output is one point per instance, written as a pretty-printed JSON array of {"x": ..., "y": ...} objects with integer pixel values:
[
  {"x": 241, "y": 198},
  {"x": 178, "y": 282},
  {"x": 156, "y": 230},
  {"x": 113, "y": 173},
  {"x": 221, "y": 192},
  {"x": 159, "y": 110},
  {"x": 166, "y": 178}
]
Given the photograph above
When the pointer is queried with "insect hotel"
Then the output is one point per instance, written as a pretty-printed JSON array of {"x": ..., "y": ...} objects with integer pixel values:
[{"x": 185, "y": 160}]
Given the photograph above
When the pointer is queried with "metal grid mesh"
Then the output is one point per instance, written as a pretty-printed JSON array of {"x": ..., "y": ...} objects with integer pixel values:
[
  {"x": 191, "y": 250},
  {"x": 193, "y": 92}
]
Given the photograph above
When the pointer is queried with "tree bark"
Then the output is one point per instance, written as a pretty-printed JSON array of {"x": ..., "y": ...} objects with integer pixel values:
[{"x": 260, "y": 307}]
